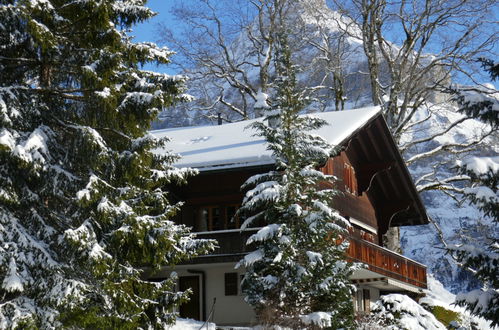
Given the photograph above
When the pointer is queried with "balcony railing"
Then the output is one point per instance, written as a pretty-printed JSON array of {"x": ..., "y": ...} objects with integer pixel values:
[
  {"x": 386, "y": 262},
  {"x": 377, "y": 258},
  {"x": 229, "y": 241}
]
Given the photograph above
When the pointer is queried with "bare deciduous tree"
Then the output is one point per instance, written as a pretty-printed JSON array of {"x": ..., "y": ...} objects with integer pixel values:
[
  {"x": 414, "y": 48},
  {"x": 226, "y": 50}
]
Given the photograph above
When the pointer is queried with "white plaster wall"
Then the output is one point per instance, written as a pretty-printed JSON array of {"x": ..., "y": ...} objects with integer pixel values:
[
  {"x": 232, "y": 310},
  {"x": 374, "y": 295},
  {"x": 228, "y": 310}
]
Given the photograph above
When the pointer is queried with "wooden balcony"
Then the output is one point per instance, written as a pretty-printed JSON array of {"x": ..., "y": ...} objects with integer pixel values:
[
  {"x": 232, "y": 246},
  {"x": 386, "y": 262}
]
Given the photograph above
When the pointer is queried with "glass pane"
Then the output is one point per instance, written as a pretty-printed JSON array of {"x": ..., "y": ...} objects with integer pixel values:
[
  {"x": 201, "y": 220},
  {"x": 216, "y": 219},
  {"x": 231, "y": 284}
]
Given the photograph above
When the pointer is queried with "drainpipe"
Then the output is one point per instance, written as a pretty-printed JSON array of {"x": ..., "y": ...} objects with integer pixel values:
[{"x": 203, "y": 291}]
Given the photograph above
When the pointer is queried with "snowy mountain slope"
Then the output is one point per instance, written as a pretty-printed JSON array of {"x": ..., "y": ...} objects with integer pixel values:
[{"x": 423, "y": 243}]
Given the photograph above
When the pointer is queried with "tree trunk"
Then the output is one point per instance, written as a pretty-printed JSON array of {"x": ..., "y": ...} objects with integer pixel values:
[{"x": 391, "y": 240}]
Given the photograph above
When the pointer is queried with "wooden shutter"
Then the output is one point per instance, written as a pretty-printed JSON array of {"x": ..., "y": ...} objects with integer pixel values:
[{"x": 349, "y": 178}]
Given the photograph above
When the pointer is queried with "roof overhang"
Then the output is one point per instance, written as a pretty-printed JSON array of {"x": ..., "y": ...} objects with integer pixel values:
[{"x": 383, "y": 175}]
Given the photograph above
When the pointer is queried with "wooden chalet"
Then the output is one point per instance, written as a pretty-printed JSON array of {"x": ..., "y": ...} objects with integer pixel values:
[{"x": 378, "y": 193}]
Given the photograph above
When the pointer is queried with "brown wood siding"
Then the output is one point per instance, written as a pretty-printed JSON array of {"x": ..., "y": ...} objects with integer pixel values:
[
  {"x": 230, "y": 242},
  {"x": 350, "y": 203},
  {"x": 187, "y": 216},
  {"x": 213, "y": 188},
  {"x": 210, "y": 189},
  {"x": 223, "y": 188}
]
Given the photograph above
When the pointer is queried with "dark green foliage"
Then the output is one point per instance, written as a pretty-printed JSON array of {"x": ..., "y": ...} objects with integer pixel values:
[
  {"x": 480, "y": 102},
  {"x": 484, "y": 193},
  {"x": 82, "y": 205}
]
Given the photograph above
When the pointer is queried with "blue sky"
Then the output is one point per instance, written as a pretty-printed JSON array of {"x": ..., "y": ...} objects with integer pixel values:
[{"x": 147, "y": 31}]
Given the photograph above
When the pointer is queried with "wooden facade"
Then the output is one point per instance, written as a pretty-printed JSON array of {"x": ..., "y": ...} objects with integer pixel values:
[{"x": 376, "y": 193}]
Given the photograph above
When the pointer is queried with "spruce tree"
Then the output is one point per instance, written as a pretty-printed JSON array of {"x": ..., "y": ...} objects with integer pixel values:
[
  {"x": 297, "y": 275},
  {"x": 82, "y": 210},
  {"x": 483, "y": 104}
]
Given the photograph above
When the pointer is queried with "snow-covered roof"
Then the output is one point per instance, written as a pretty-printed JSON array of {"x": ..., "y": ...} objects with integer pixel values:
[{"x": 234, "y": 145}]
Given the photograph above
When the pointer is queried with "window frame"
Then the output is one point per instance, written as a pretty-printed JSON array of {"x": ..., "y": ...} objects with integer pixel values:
[{"x": 209, "y": 211}]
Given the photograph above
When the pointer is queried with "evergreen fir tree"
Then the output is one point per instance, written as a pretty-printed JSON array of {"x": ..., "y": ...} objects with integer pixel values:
[
  {"x": 82, "y": 210},
  {"x": 297, "y": 275},
  {"x": 480, "y": 102},
  {"x": 484, "y": 193}
]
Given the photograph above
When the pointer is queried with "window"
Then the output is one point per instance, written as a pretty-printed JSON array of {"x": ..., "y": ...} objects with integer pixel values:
[
  {"x": 215, "y": 221},
  {"x": 349, "y": 178},
  {"x": 201, "y": 223},
  {"x": 219, "y": 217},
  {"x": 208, "y": 218},
  {"x": 231, "y": 284}
]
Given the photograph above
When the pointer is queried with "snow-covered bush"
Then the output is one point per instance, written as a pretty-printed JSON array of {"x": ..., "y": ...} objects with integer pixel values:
[{"x": 397, "y": 311}]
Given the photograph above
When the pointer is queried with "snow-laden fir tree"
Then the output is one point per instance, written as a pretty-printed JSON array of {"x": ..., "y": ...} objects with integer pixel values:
[
  {"x": 297, "y": 275},
  {"x": 482, "y": 103},
  {"x": 82, "y": 210}
]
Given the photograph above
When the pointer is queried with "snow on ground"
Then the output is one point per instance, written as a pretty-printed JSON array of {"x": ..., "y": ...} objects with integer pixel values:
[
  {"x": 412, "y": 315},
  {"x": 188, "y": 324},
  {"x": 437, "y": 295},
  {"x": 398, "y": 311}
]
